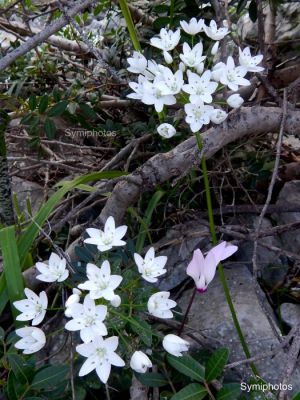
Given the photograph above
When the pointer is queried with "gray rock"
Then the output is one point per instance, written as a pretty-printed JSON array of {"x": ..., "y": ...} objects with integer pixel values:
[
  {"x": 210, "y": 316},
  {"x": 272, "y": 266},
  {"x": 181, "y": 240},
  {"x": 290, "y": 313},
  {"x": 28, "y": 190},
  {"x": 287, "y": 24},
  {"x": 290, "y": 194}
]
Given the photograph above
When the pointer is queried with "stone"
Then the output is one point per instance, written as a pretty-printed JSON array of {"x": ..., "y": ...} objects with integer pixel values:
[
  {"x": 289, "y": 194},
  {"x": 28, "y": 190},
  {"x": 181, "y": 240},
  {"x": 290, "y": 314},
  {"x": 210, "y": 316},
  {"x": 273, "y": 266}
]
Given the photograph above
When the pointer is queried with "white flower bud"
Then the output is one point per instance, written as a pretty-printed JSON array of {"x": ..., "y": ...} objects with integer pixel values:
[
  {"x": 215, "y": 49},
  {"x": 168, "y": 57},
  {"x": 174, "y": 345},
  {"x": 115, "y": 301},
  {"x": 218, "y": 116},
  {"x": 166, "y": 130},
  {"x": 140, "y": 362},
  {"x": 235, "y": 100}
]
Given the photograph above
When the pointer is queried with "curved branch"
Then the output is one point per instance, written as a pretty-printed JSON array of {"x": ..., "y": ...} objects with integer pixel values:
[{"x": 177, "y": 162}]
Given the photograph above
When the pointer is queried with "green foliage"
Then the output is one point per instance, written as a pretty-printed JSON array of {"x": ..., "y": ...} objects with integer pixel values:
[
  {"x": 229, "y": 391},
  {"x": 12, "y": 271},
  {"x": 193, "y": 391},
  {"x": 216, "y": 363},
  {"x": 187, "y": 366},
  {"x": 152, "y": 379}
]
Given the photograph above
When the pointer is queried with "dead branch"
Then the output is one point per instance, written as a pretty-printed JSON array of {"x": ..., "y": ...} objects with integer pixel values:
[
  {"x": 57, "y": 41},
  {"x": 184, "y": 157},
  {"x": 42, "y": 36}
]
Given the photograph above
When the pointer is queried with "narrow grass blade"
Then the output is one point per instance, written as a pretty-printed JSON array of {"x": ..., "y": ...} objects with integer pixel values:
[{"x": 11, "y": 264}]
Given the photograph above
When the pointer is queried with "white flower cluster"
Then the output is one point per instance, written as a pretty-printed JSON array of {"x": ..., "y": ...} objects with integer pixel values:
[
  {"x": 89, "y": 317},
  {"x": 34, "y": 307},
  {"x": 189, "y": 81}
]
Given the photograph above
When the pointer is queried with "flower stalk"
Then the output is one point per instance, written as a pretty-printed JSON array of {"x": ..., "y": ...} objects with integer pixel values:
[
  {"x": 220, "y": 267},
  {"x": 130, "y": 25}
]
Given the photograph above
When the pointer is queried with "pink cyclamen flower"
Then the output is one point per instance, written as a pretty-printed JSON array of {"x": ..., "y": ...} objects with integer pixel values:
[{"x": 203, "y": 270}]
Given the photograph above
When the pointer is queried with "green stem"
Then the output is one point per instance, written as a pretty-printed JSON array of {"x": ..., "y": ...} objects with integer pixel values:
[
  {"x": 130, "y": 25},
  {"x": 172, "y": 9},
  {"x": 220, "y": 267}
]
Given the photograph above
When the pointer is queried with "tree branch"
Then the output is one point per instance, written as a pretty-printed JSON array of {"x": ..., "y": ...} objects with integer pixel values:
[
  {"x": 43, "y": 35},
  {"x": 184, "y": 157}
]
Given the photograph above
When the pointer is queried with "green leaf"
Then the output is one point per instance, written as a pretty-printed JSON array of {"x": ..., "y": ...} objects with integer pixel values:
[
  {"x": 22, "y": 371},
  {"x": 152, "y": 379},
  {"x": 147, "y": 220},
  {"x": 216, "y": 363},
  {"x": 43, "y": 104},
  {"x": 50, "y": 128},
  {"x": 32, "y": 102},
  {"x": 11, "y": 265},
  {"x": 49, "y": 377},
  {"x": 11, "y": 387},
  {"x": 88, "y": 111},
  {"x": 58, "y": 109},
  {"x": 241, "y": 6},
  {"x": 193, "y": 391},
  {"x": 161, "y": 22},
  {"x": 229, "y": 391},
  {"x": 297, "y": 396},
  {"x": 2, "y": 334},
  {"x": 253, "y": 11},
  {"x": 143, "y": 329},
  {"x": 187, "y": 366}
]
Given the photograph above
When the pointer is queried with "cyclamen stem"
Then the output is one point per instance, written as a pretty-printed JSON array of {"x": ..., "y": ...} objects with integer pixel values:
[
  {"x": 187, "y": 312},
  {"x": 220, "y": 267}
]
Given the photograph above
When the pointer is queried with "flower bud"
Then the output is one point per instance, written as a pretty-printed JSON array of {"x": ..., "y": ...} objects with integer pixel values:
[
  {"x": 235, "y": 100},
  {"x": 115, "y": 301},
  {"x": 166, "y": 130},
  {"x": 218, "y": 116},
  {"x": 215, "y": 48},
  {"x": 140, "y": 362},
  {"x": 174, "y": 345},
  {"x": 168, "y": 57}
]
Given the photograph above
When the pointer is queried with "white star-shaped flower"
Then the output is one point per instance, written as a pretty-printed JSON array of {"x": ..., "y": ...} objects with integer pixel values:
[
  {"x": 33, "y": 308},
  {"x": 213, "y": 32},
  {"x": 88, "y": 319},
  {"x": 193, "y": 27},
  {"x": 171, "y": 83},
  {"x": 159, "y": 305},
  {"x": 54, "y": 271},
  {"x": 101, "y": 356},
  {"x": 230, "y": 75},
  {"x": 197, "y": 115},
  {"x": 100, "y": 282},
  {"x": 249, "y": 62},
  {"x": 153, "y": 95},
  {"x": 200, "y": 88},
  {"x": 166, "y": 42},
  {"x": 150, "y": 267},
  {"x": 137, "y": 63},
  {"x": 32, "y": 339},
  {"x": 192, "y": 57},
  {"x": 107, "y": 239}
]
